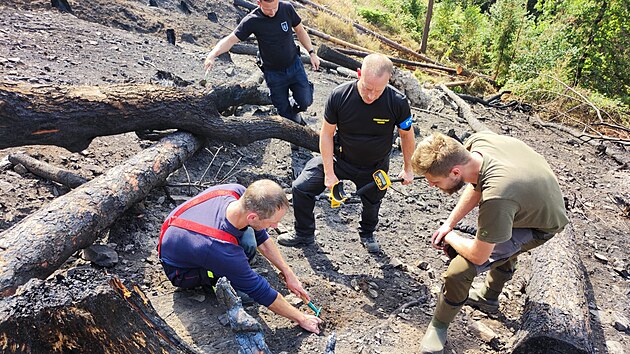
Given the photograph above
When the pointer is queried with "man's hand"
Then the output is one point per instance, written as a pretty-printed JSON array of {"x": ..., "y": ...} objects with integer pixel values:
[
  {"x": 209, "y": 63},
  {"x": 315, "y": 61},
  {"x": 407, "y": 176},
  {"x": 310, "y": 323},
  {"x": 330, "y": 180},
  {"x": 437, "y": 239},
  {"x": 295, "y": 286}
]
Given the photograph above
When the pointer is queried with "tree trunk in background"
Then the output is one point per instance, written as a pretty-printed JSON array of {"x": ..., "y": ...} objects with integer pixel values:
[
  {"x": 71, "y": 117},
  {"x": 427, "y": 26},
  {"x": 594, "y": 29},
  {"x": 84, "y": 311},
  {"x": 38, "y": 245}
]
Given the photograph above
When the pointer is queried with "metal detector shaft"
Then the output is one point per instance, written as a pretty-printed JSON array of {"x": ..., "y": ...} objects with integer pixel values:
[{"x": 373, "y": 185}]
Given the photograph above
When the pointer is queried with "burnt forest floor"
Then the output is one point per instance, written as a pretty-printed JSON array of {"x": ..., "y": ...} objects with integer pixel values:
[{"x": 374, "y": 303}]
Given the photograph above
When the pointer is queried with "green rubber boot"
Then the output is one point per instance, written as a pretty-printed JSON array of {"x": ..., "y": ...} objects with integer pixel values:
[
  {"x": 484, "y": 300},
  {"x": 435, "y": 337}
]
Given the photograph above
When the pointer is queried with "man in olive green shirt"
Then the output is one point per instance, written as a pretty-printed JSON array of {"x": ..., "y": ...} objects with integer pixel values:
[{"x": 520, "y": 208}]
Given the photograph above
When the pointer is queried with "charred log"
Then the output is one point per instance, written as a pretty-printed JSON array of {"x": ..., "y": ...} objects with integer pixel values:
[
  {"x": 362, "y": 54},
  {"x": 556, "y": 313},
  {"x": 465, "y": 110},
  {"x": 71, "y": 117},
  {"x": 248, "y": 332},
  {"x": 39, "y": 244},
  {"x": 47, "y": 171},
  {"x": 328, "y": 53},
  {"x": 83, "y": 312},
  {"x": 247, "y": 49}
]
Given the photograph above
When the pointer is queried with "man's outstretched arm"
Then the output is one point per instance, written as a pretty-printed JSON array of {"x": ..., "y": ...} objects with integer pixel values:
[{"x": 223, "y": 46}]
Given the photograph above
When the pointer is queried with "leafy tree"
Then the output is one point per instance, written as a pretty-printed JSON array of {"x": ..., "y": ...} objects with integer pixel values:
[{"x": 507, "y": 19}]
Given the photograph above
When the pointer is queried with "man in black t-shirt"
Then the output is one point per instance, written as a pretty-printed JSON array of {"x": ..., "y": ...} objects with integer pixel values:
[
  {"x": 355, "y": 141},
  {"x": 271, "y": 23}
]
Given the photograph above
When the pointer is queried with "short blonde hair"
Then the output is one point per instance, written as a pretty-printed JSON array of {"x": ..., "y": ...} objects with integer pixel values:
[
  {"x": 437, "y": 155},
  {"x": 264, "y": 197},
  {"x": 377, "y": 64}
]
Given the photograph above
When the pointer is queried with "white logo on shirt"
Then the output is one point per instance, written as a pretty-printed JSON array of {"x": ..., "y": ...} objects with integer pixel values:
[{"x": 285, "y": 26}]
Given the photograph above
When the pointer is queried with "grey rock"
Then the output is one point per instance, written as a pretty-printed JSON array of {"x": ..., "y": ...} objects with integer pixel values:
[
  {"x": 423, "y": 265},
  {"x": 620, "y": 322},
  {"x": 600, "y": 257},
  {"x": 19, "y": 168},
  {"x": 483, "y": 331},
  {"x": 100, "y": 255}
]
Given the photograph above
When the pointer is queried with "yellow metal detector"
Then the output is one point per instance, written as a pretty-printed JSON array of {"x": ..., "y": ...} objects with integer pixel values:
[{"x": 337, "y": 195}]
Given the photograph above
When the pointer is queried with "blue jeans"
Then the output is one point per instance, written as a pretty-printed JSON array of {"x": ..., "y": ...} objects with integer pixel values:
[
  {"x": 292, "y": 78},
  {"x": 248, "y": 242},
  {"x": 310, "y": 183}
]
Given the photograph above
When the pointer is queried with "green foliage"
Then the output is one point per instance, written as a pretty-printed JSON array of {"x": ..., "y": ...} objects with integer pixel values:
[
  {"x": 507, "y": 19},
  {"x": 585, "y": 43},
  {"x": 375, "y": 16},
  {"x": 460, "y": 34}
]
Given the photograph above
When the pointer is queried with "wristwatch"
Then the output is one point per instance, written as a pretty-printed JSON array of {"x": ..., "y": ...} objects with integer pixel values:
[{"x": 311, "y": 51}]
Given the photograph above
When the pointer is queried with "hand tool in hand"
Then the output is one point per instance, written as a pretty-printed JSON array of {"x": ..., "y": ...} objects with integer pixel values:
[{"x": 311, "y": 306}]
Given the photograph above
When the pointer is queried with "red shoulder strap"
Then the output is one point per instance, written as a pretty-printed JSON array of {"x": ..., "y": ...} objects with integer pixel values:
[{"x": 205, "y": 230}]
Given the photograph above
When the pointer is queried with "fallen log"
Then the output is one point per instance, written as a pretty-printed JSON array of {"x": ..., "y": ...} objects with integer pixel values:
[
  {"x": 246, "y": 49},
  {"x": 249, "y": 333},
  {"x": 330, "y": 54},
  {"x": 379, "y": 36},
  {"x": 36, "y": 246},
  {"x": 603, "y": 144},
  {"x": 465, "y": 110},
  {"x": 84, "y": 311},
  {"x": 362, "y": 54},
  {"x": 335, "y": 40},
  {"x": 71, "y": 117},
  {"x": 48, "y": 171},
  {"x": 556, "y": 311}
]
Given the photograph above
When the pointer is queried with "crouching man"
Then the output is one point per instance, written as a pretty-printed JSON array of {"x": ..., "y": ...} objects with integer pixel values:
[
  {"x": 216, "y": 233},
  {"x": 520, "y": 208}
]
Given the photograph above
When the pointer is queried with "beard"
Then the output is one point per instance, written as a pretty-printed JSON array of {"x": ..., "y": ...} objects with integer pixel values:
[{"x": 459, "y": 184}]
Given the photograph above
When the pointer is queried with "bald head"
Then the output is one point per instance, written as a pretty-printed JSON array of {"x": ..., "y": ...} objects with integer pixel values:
[{"x": 377, "y": 65}]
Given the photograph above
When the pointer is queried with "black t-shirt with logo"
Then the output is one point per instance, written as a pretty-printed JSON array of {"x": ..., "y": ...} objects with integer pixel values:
[
  {"x": 274, "y": 35},
  {"x": 365, "y": 131}
]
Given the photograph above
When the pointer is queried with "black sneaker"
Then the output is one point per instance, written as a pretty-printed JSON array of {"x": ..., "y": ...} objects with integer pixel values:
[
  {"x": 291, "y": 239},
  {"x": 369, "y": 242}
]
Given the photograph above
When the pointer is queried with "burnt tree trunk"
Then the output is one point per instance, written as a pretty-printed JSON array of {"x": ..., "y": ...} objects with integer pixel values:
[
  {"x": 464, "y": 110},
  {"x": 71, "y": 117},
  {"x": 50, "y": 172},
  {"x": 36, "y": 246},
  {"x": 357, "y": 53},
  {"x": 327, "y": 53},
  {"x": 247, "y": 49},
  {"x": 84, "y": 312},
  {"x": 556, "y": 312}
]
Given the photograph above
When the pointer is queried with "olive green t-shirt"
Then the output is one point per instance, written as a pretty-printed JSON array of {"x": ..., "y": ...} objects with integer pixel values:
[{"x": 518, "y": 189}]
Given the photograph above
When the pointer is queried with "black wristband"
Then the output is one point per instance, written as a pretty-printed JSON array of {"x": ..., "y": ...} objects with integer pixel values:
[{"x": 311, "y": 51}]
